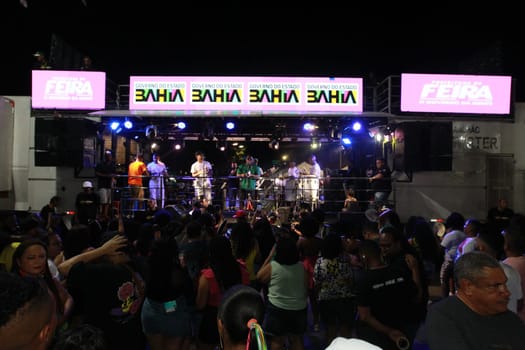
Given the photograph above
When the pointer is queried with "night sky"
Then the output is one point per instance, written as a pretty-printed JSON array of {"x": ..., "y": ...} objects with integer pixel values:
[{"x": 262, "y": 38}]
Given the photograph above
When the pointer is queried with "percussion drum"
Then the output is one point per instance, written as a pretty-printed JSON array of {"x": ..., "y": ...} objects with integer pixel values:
[{"x": 309, "y": 188}]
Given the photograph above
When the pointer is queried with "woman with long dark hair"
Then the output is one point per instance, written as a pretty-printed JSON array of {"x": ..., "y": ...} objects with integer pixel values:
[{"x": 223, "y": 272}]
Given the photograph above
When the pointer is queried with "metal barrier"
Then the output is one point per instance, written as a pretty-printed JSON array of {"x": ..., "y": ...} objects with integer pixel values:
[{"x": 271, "y": 193}]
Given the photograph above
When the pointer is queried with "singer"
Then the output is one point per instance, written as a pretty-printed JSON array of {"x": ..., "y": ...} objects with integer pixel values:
[{"x": 202, "y": 171}]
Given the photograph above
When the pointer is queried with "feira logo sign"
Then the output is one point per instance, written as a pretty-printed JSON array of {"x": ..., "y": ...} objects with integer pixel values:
[
  {"x": 456, "y": 93},
  {"x": 247, "y": 94},
  {"x": 68, "y": 89}
]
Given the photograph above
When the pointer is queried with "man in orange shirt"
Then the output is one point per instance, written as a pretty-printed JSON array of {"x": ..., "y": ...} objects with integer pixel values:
[{"x": 136, "y": 171}]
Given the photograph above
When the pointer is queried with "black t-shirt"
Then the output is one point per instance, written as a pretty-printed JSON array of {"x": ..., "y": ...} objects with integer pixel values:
[
  {"x": 383, "y": 184},
  {"x": 106, "y": 168},
  {"x": 389, "y": 293},
  {"x": 108, "y": 297},
  {"x": 499, "y": 219},
  {"x": 87, "y": 206}
]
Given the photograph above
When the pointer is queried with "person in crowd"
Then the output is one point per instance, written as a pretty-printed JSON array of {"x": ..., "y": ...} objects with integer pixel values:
[
  {"x": 30, "y": 260},
  {"x": 334, "y": 285},
  {"x": 286, "y": 307},
  {"x": 499, "y": 216},
  {"x": 81, "y": 337},
  {"x": 380, "y": 182},
  {"x": 108, "y": 291},
  {"x": 49, "y": 210},
  {"x": 245, "y": 248},
  {"x": 514, "y": 247},
  {"x": 55, "y": 254},
  {"x": 157, "y": 171},
  {"x": 471, "y": 228},
  {"x": 87, "y": 204},
  {"x": 248, "y": 174},
  {"x": 170, "y": 299},
  {"x": 223, "y": 272},
  {"x": 41, "y": 61},
  {"x": 136, "y": 171},
  {"x": 477, "y": 316},
  {"x": 399, "y": 254},
  {"x": 309, "y": 246},
  {"x": 492, "y": 244},
  {"x": 202, "y": 171},
  {"x": 351, "y": 203},
  {"x": 28, "y": 320},
  {"x": 238, "y": 319},
  {"x": 105, "y": 172},
  {"x": 451, "y": 240},
  {"x": 384, "y": 297},
  {"x": 87, "y": 63},
  {"x": 426, "y": 245}
]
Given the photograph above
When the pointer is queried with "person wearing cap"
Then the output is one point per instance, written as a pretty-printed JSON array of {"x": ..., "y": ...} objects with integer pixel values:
[
  {"x": 86, "y": 203},
  {"x": 41, "y": 61},
  {"x": 248, "y": 173}
]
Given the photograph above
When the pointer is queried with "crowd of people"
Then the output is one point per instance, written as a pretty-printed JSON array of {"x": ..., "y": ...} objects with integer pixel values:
[{"x": 175, "y": 280}]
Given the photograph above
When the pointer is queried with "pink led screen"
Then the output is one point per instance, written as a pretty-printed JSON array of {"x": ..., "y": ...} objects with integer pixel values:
[
  {"x": 246, "y": 94},
  {"x": 472, "y": 94},
  {"x": 52, "y": 89}
]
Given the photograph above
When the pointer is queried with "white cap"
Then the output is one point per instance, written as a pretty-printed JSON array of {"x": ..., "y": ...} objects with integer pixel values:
[
  {"x": 341, "y": 343},
  {"x": 87, "y": 184}
]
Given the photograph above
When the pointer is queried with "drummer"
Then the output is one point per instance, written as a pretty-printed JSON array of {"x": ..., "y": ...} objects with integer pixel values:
[
  {"x": 315, "y": 168},
  {"x": 311, "y": 180},
  {"x": 290, "y": 184}
]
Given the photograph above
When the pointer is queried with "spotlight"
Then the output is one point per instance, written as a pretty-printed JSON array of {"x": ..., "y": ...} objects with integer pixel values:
[
  {"x": 128, "y": 124},
  {"x": 357, "y": 126},
  {"x": 315, "y": 144},
  {"x": 309, "y": 127},
  {"x": 230, "y": 125},
  {"x": 114, "y": 125},
  {"x": 274, "y": 144},
  {"x": 181, "y": 125}
]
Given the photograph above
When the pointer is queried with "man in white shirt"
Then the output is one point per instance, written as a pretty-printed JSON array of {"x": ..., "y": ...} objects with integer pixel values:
[
  {"x": 157, "y": 171},
  {"x": 202, "y": 171}
]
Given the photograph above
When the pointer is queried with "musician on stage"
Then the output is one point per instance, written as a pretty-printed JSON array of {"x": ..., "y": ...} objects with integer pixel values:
[
  {"x": 290, "y": 184},
  {"x": 310, "y": 180},
  {"x": 248, "y": 174},
  {"x": 202, "y": 171},
  {"x": 232, "y": 186}
]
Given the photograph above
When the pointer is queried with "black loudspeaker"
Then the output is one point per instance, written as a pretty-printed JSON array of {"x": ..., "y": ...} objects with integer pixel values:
[
  {"x": 427, "y": 147},
  {"x": 60, "y": 142}
]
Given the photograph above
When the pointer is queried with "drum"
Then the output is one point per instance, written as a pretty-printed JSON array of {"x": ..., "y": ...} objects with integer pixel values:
[
  {"x": 309, "y": 188},
  {"x": 290, "y": 190}
]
